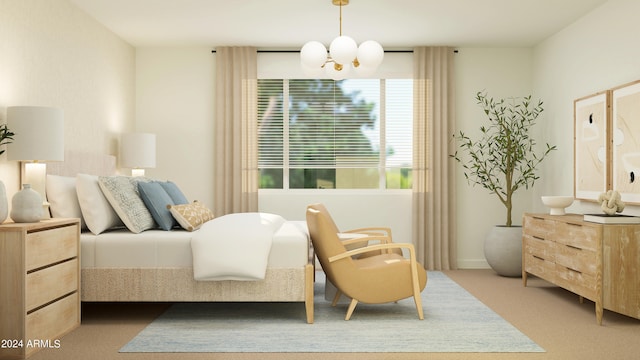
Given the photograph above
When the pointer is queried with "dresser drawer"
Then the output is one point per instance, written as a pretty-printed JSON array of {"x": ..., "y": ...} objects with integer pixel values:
[
  {"x": 577, "y": 259},
  {"x": 539, "y": 267},
  {"x": 538, "y": 227},
  {"x": 580, "y": 236},
  {"x": 53, "y": 321},
  {"x": 51, "y": 246},
  {"x": 50, "y": 283},
  {"x": 541, "y": 248},
  {"x": 580, "y": 283}
]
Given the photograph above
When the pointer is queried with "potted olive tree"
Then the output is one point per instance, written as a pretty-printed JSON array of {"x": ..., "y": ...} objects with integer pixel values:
[{"x": 503, "y": 160}]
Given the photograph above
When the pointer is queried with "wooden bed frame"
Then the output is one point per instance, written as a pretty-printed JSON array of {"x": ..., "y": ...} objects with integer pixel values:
[{"x": 178, "y": 284}]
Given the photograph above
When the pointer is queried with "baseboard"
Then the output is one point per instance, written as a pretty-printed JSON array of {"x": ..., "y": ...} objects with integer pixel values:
[{"x": 473, "y": 264}]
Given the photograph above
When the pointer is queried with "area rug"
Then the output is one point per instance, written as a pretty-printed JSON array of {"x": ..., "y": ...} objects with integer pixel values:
[{"x": 455, "y": 321}]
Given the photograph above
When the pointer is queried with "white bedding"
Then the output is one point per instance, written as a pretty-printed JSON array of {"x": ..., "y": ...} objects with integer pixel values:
[
  {"x": 234, "y": 246},
  {"x": 165, "y": 249}
]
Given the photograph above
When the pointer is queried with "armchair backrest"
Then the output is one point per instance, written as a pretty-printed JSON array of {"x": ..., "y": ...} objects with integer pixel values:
[
  {"x": 327, "y": 244},
  {"x": 321, "y": 208}
]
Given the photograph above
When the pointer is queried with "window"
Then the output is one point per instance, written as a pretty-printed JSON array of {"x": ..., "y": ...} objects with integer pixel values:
[{"x": 347, "y": 134}]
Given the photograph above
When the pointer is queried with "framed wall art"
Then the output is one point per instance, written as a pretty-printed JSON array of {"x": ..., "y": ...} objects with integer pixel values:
[
  {"x": 592, "y": 153},
  {"x": 626, "y": 141}
]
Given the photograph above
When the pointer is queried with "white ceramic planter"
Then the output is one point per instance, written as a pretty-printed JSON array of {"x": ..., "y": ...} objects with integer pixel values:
[{"x": 503, "y": 250}]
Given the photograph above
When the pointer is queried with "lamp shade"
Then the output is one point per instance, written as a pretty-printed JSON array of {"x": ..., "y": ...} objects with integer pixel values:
[
  {"x": 39, "y": 133},
  {"x": 138, "y": 150}
]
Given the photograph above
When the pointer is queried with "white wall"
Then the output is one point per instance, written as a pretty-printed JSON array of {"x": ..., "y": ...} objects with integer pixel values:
[
  {"x": 596, "y": 53},
  {"x": 175, "y": 100},
  {"x": 502, "y": 73},
  {"x": 53, "y": 54}
]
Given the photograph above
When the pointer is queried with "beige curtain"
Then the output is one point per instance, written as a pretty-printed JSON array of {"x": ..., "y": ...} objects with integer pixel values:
[
  {"x": 235, "y": 131},
  {"x": 433, "y": 170}
]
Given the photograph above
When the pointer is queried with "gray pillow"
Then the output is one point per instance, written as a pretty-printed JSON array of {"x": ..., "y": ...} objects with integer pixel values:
[
  {"x": 156, "y": 200},
  {"x": 174, "y": 192}
]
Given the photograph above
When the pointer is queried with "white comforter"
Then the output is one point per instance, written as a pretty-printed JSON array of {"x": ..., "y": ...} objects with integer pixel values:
[{"x": 234, "y": 246}]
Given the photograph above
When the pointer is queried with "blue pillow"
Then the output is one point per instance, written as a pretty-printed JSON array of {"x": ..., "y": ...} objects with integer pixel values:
[
  {"x": 174, "y": 192},
  {"x": 156, "y": 200}
]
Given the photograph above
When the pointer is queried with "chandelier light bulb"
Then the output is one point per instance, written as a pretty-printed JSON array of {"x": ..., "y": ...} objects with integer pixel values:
[
  {"x": 313, "y": 54},
  {"x": 370, "y": 54},
  {"x": 343, "y": 50}
]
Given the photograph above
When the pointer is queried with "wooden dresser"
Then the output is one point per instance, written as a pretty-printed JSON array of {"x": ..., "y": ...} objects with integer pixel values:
[
  {"x": 39, "y": 285},
  {"x": 600, "y": 262}
]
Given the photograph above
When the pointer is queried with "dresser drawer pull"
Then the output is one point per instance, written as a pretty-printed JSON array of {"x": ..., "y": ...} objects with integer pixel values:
[
  {"x": 538, "y": 237},
  {"x": 573, "y": 247},
  {"x": 538, "y": 257},
  {"x": 574, "y": 270}
]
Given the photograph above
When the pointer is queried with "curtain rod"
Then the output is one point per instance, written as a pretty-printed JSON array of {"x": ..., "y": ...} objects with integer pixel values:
[{"x": 297, "y": 51}]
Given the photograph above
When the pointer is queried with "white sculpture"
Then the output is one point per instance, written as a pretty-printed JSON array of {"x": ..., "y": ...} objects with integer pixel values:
[{"x": 611, "y": 202}]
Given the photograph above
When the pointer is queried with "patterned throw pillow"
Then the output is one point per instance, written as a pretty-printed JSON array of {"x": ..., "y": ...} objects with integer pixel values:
[
  {"x": 122, "y": 193},
  {"x": 191, "y": 216}
]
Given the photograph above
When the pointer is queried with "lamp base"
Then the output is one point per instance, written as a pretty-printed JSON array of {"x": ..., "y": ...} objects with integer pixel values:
[{"x": 137, "y": 172}]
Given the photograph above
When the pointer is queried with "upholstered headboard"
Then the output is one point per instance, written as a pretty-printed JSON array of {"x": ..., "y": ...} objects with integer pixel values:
[{"x": 79, "y": 162}]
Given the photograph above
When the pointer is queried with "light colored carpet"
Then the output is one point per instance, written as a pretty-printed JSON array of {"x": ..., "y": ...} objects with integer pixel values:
[{"x": 455, "y": 321}]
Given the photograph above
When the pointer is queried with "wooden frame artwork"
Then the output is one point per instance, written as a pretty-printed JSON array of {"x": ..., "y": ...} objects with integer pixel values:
[
  {"x": 592, "y": 152},
  {"x": 626, "y": 141}
]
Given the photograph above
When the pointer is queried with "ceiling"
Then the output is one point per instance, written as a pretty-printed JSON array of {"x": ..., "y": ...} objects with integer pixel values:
[{"x": 288, "y": 24}]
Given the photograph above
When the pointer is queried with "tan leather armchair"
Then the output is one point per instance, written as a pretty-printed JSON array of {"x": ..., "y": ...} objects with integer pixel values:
[{"x": 382, "y": 278}]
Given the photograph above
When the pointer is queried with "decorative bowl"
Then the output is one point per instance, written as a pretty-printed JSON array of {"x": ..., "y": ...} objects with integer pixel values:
[{"x": 557, "y": 204}]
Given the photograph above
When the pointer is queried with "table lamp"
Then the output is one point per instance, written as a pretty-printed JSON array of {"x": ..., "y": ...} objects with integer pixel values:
[
  {"x": 39, "y": 137},
  {"x": 138, "y": 151}
]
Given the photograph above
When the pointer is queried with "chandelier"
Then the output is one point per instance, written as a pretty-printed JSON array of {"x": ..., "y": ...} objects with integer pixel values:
[{"x": 345, "y": 57}]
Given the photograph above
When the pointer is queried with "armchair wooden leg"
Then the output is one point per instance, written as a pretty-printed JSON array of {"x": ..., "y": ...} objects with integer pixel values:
[
  {"x": 336, "y": 297},
  {"x": 418, "y": 302},
  {"x": 352, "y": 307}
]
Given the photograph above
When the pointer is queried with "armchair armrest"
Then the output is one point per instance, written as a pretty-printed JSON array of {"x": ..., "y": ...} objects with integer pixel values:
[
  {"x": 379, "y": 230},
  {"x": 365, "y": 240},
  {"x": 365, "y": 249}
]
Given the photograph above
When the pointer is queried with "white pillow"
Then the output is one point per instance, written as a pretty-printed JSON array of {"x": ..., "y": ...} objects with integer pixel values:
[
  {"x": 122, "y": 193},
  {"x": 63, "y": 199},
  {"x": 98, "y": 213}
]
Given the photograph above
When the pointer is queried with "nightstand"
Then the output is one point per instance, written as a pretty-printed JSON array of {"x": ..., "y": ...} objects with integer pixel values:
[{"x": 39, "y": 285}]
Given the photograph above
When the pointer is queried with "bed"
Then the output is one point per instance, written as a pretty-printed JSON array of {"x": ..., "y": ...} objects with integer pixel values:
[{"x": 118, "y": 265}]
